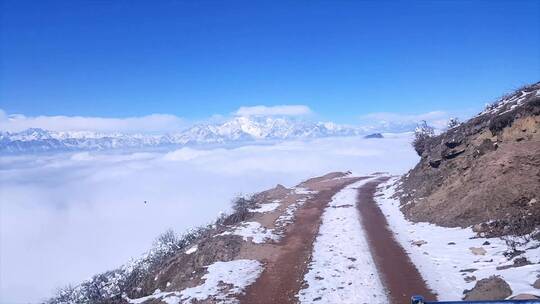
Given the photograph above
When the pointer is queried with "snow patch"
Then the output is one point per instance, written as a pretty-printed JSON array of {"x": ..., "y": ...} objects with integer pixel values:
[
  {"x": 266, "y": 207},
  {"x": 191, "y": 250},
  {"x": 303, "y": 191},
  {"x": 342, "y": 269},
  {"x": 516, "y": 99},
  {"x": 253, "y": 231},
  {"x": 287, "y": 217},
  {"x": 236, "y": 275},
  {"x": 447, "y": 251}
]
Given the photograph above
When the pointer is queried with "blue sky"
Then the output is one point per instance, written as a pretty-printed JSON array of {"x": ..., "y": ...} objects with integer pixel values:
[{"x": 193, "y": 59}]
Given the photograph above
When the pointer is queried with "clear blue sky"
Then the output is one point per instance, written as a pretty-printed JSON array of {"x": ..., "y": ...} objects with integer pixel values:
[{"x": 197, "y": 58}]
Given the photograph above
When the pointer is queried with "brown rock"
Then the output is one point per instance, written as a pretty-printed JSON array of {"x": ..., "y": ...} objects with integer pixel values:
[
  {"x": 536, "y": 284},
  {"x": 492, "y": 288}
]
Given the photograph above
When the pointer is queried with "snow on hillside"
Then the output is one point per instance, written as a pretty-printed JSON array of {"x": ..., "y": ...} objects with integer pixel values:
[
  {"x": 253, "y": 232},
  {"x": 454, "y": 259},
  {"x": 239, "y": 274},
  {"x": 508, "y": 103}
]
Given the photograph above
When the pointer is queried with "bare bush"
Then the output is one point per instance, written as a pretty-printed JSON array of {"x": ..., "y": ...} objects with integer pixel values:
[
  {"x": 109, "y": 286},
  {"x": 453, "y": 122},
  {"x": 167, "y": 238},
  {"x": 63, "y": 295},
  {"x": 513, "y": 243},
  {"x": 519, "y": 231},
  {"x": 241, "y": 206},
  {"x": 421, "y": 134}
]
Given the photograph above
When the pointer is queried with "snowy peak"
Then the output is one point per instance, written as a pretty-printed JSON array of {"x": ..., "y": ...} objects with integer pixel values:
[
  {"x": 261, "y": 128},
  {"x": 237, "y": 129}
]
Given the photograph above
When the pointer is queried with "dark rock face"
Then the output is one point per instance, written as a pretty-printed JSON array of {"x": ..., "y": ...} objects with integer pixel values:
[
  {"x": 453, "y": 153},
  {"x": 478, "y": 171},
  {"x": 374, "y": 135},
  {"x": 492, "y": 288},
  {"x": 435, "y": 162}
]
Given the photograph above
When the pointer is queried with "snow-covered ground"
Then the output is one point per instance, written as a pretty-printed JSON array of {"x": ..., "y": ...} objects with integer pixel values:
[
  {"x": 342, "y": 269},
  {"x": 445, "y": 258},
  {"x": 238, "y": 274}
]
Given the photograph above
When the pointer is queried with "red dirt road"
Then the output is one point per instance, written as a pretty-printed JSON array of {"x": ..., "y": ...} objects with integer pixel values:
[
  {"x": 398, "y": 274},
  {"x": 283, "y": 276},
  {"x": 282, "y": 279}
]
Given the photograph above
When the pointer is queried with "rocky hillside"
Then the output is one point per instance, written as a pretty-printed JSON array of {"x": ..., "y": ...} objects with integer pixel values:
[{"x": 483, "y": 172}]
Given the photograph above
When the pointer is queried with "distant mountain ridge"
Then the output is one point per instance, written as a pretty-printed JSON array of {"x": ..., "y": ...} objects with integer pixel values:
[{"x": 238, "y": 129}]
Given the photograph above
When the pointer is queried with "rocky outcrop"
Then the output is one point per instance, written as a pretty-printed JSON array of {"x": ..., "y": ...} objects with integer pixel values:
[
  {"x": 485, "y": 170},
  {"x": 374, "y": 135}
]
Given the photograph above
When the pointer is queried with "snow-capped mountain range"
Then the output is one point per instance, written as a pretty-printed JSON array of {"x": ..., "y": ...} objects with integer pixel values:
[{"x": 237, "y": 129}]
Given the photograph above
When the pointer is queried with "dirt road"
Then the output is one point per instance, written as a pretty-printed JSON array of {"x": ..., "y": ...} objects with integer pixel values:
[
  {"x": 399, "y": 275},
  {"x": 283, "y": 276}
]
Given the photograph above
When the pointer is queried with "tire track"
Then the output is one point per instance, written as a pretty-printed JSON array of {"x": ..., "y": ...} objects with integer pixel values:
[{"x": 397, "y": 272}]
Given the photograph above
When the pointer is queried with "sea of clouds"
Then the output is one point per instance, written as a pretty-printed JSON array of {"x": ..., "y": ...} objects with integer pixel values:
[{"x": 65, "y": 217}]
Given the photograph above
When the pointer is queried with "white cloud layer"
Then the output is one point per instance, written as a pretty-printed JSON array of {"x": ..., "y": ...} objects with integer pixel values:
[
  {"x": 437, "y": 119},
  {"x": 284, "y": 110},
  {"x": 65, "y": 217},
  {"x": 154, "y": 123}
]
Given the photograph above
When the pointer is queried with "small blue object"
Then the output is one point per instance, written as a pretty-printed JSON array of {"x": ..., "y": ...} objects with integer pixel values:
[
  {"x": 417, "y": 300},
  {"x": 420, "y": 300}
]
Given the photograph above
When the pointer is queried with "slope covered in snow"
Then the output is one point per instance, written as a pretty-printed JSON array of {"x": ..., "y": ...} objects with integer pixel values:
[{"x": 453, "y": 260}]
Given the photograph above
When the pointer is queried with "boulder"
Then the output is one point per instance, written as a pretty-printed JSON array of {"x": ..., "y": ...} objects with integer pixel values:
[
  {"x": 419, "y": 243},
  {"x": 453, "y": 141},
  {"x": 492, "y": 288},
  {"x": 486, "y": 146},
  {"x": 453, "y": 153},
  {"x": 536, "y": 284},
  {"x": 478, "y": 250},
  {"x": 518, "y": 262}
]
